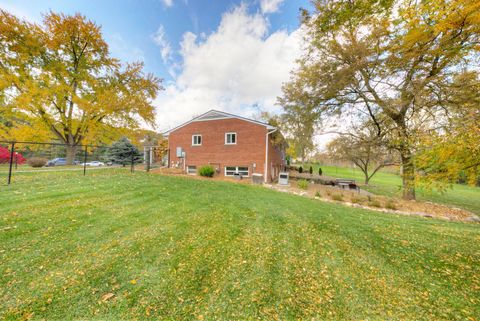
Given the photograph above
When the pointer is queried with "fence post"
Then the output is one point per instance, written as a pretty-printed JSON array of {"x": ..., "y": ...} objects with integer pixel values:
[
  {"x": 85, "y": 162},
  {"x": 131, "y": 166},
  {"x": 11, "y": 163},
  {"x": 149, "y": 157}
]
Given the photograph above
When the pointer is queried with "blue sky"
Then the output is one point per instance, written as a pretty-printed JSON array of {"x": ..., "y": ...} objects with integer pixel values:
[{"x": 227, "y": 55}]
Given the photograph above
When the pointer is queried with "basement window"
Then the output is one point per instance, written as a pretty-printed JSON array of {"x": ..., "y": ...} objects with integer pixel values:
[
  {"x": 230, "y": 138},
  {"x": 192, "y": 170},
  {"x": 232, "y": 170},
  {"x": 196, "y": 140}
]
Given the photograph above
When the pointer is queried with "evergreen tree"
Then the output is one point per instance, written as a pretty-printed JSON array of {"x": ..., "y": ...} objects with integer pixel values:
[{"x": 124, "y": 152}]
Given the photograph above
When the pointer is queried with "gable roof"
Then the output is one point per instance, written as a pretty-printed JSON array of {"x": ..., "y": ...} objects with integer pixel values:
[{"x": 216, "y": 115}]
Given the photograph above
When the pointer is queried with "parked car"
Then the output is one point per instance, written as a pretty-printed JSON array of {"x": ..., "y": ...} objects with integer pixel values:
[
  {"x": 60, "y": 162},
  {"x": 94, "y": 163},
  {"x": 57, "y": 162}
]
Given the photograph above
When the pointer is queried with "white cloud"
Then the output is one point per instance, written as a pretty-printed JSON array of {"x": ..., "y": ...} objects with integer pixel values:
[
  {"x": 160, "y": 39},
  {"x": 167, "y": 3},
  {"x": 270, "y": 6},
  {"x": 233, "y": 69},
  {"x": 166, "y": 52}
]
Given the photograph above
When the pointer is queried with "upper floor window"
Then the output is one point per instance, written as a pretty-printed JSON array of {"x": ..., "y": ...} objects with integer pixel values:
[
  {"x": 230, "y": 138},
  {"x": 196, "y": 140}
]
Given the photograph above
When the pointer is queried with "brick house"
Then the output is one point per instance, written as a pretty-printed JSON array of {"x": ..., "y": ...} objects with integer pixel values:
[{"x": 232, "y": 144}]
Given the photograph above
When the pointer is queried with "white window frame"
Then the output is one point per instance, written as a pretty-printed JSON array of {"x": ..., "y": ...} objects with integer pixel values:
[
  {"x": 237, "y": 171},
  {"x": 193, "y": 140},
  {"x": 226, "y": 138},
  {"x": 189, "y": 167}
]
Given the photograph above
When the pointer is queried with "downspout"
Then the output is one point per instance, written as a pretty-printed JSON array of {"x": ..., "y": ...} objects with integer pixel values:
[
  {"x": 168, "y": 152},
  {"x": 168, "y": 156},
  {"x": 184, "y": 161},
  {"x": 265, "y": 171}
]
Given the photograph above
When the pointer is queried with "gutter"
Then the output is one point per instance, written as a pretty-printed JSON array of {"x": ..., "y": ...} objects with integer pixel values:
[{"x": 265, "y": 171}]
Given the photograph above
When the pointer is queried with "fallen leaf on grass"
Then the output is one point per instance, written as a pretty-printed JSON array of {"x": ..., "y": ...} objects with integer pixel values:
[{"x": 107, "y": 296}]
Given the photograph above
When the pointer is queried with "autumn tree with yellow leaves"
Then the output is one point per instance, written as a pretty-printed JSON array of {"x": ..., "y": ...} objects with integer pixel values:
[
  {"x": 454, "y": 151},
  {"x": 395, "y": 62},
  {"x": 59, "y": 77}
]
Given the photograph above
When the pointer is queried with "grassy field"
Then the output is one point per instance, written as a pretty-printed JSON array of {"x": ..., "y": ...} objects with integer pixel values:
[
  {"x": 114, "y": 245},
  {"x": 389, "y": 184}
]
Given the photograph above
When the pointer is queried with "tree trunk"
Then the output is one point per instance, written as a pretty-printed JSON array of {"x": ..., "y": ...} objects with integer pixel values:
[
  {"x": 408, "y": 176},
  {"x": 367, "y": 179},
  {"x": 365, "y": 173},
  {"x": 71, "y": 151}
]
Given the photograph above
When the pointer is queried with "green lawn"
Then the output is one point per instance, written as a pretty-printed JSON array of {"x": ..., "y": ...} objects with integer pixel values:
[
  {"x": 179, "y": 248},
  {"x": 389, "y": 184}
]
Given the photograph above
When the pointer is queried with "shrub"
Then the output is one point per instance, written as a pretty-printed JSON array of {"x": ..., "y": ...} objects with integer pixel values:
[
  {"x": 390, "y": 205},
  {"x": 374, "y": 203},
  {"x": 357, "y": 200},
  {"x": 310, "y": 170},
  {"x": 300, "y": 169},
  {"x": 5, "y": 156},
  {"x": 19, "y": 159},
  {"x": 317, "y": 194},
  {"x": 320, "y": 171},
  {"x": 337, "y": 197},
  {"x": 37, "y": 161},
  {"x": 206, "y": 171},
  {"x": 302, "y": 184}
]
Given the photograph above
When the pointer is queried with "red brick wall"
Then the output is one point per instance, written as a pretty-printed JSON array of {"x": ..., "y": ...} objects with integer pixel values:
[
  {"x": 249, "y": 150},
  {"x": 276, "y": 159}
]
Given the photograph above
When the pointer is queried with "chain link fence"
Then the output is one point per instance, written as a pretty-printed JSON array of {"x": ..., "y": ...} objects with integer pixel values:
[{"x": 27, "y": 159}]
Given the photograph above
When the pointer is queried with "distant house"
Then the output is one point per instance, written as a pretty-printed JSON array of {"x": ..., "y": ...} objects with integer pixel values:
[{"x": 232, "y": 144}]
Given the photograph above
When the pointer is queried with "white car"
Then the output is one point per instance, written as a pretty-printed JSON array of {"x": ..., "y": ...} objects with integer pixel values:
[{"x": 94, "y": 163}]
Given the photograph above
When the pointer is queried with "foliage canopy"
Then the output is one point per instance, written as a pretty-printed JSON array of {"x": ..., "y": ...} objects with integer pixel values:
[
  {"x": 59, "y": 78},
  {"x": 395, "y": 62}
]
